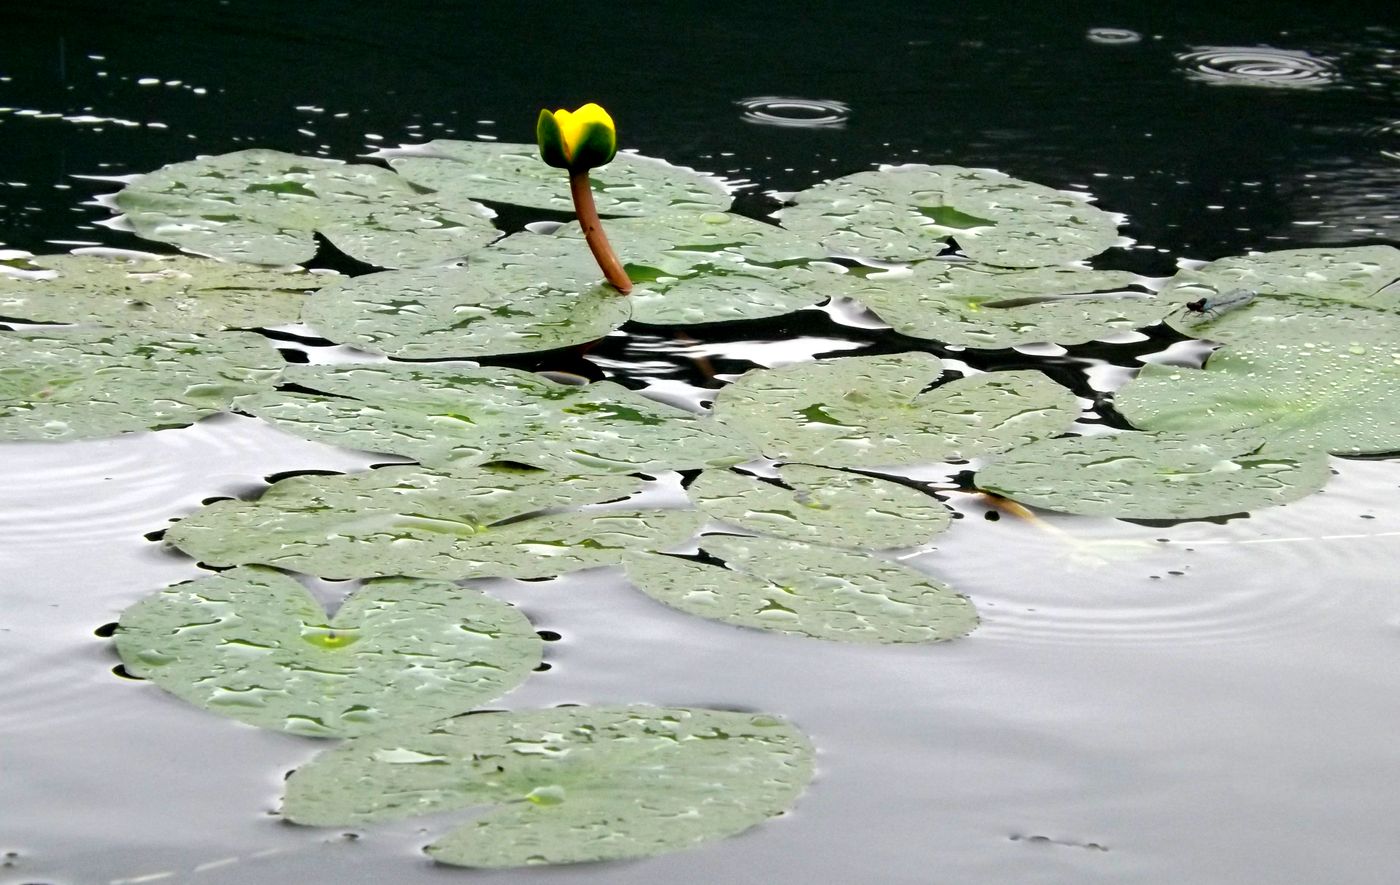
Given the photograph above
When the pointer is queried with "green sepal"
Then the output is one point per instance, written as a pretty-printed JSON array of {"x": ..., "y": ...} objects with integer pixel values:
[
  {"x": 551, "y": 141},
  {"x": 596, "y": 147}
]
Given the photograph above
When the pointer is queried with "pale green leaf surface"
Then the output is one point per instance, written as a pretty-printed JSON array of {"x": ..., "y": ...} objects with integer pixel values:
[
  {"x": 406, "y": 521},
  {"x": 69, "y": 384},
  {"x": 253, "y": 645},
  {"x": 874, "y": 411},
  {"x": 1156, "y": 475},
  {"x": 822, "y": 506},
  {"x": 806, "y": 590}
]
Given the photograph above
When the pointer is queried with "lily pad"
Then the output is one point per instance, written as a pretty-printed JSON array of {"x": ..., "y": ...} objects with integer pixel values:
[
  {"x": 455, "y": 418},
  {"x": 573, "y": 784},
  {"x": 514, "y": 173},
  {"x": 805, "y": 590},
  {"x": 1331, "y": 383},
  {"x": 1156, "y": 475},
  {"x": 907, "y": 213},
  {"x": 265, "y": 207},
  {"x": 875, "y": 411},
  {"x": 406, "y": 521},
  {"x": 177, "y": 293},
  {"x": 822, "y": 506},
  {"x": 465, "y": 312},
  {"x": 1309, "y": 282},
  {"x": 981, "y": 306},
  {"x": 88, "y": 384},
  {"x": 252, "y": 644}
]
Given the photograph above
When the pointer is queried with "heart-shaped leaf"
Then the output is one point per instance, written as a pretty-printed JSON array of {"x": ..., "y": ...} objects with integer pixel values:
[
  {"x": 405, "y": 521},
  {"x": 513, "y": 173},
  {"x": 875, "y": 411},
  {"x": 1156, "y": 475},
  {"x": 907, "y": 213},
  {"x": 573, "y": 784},
  {"x": 174, "y": 292},
  {"x": 822, "y": 506},
  {"x": 252, "y": 644},
  {"x": 791, "y": 587},
  {"x": 88, "y": 384},
  {"x": 455, "y": 418},
  {"x": 265, "y": 207}
]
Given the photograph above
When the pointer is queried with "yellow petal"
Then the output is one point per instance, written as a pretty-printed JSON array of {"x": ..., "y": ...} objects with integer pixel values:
[{"x": 572, "y": 124}]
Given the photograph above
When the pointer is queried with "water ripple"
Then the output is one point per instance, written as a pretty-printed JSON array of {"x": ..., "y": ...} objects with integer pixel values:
[
  {"x": 1258, "y": 66},
  {"x": 804, "y": 113},
  {"x": 1113, "y": 36}
]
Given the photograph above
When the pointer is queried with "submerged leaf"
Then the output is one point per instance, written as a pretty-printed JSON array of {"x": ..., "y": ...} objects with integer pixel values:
[
  {"x": 264, "y": 207},
  {"x": 1283, "y": 286},
  {"x": 791, "y": 587},
  {"x": 981, "y": 306},
  {"x": 907, "y": 213},
  {"x": 1326, "y": 382},
  {"x": 1156, "y": 475},
  {"x": 86, "y": 384},
  {"x": 406, "y": 521},
  {"x": 455, "y": 418},
  {"x": 875, "y": 411},
  {"x": 822, "y": 506},
  {"x": 464, "y": 312},
  {"x": 513, "y": 173},
  {"x": 252, "y": 644},
  {"x": 573, "y": 784},
  {"x": 175, "y": 292}
]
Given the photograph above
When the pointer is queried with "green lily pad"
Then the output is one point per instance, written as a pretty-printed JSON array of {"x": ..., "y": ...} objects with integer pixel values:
[
  {"x": 822, "y": 506},
  {"x": 264, "y": 207},
  {"x": 252, "y": 644},
  {"x": 464, "y": 312},
  {"x": 455, "y": 418},
  {"x": 177, "y": 292},
  {"x": 805, "y": 590},
  {"x": 1314, "y": 283},
  {"x": 980, "y": 306},
  {"x": 514, "y": 173},
  {"x": 406, "y": 521},
  {"x": 1331, "y": 383},
  {"x": 907, "y": 213},
  {"x": 874, "y": 411},
  {"x": 573, "y": 784},
  {"x": 57, "y": 385},
  {"x": 1156, "y": 475}
]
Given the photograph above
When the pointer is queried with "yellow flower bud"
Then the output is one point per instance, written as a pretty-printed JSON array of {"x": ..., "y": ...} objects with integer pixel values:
[{"x": 576, "y": 140}]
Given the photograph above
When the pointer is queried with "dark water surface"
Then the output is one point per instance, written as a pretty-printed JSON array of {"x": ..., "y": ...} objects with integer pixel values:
[{"x": 1209, "y": 702}]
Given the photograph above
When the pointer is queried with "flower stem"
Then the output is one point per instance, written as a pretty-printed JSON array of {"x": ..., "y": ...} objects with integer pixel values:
[{"x": 603, "y": 253}]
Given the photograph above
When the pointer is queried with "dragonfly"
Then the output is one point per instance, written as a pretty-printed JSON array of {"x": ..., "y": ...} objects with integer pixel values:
[{"x": 1214, "y": 306}]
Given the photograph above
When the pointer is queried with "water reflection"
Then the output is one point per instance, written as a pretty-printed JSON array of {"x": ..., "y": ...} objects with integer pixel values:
[{"x": 1258, "y": 66}]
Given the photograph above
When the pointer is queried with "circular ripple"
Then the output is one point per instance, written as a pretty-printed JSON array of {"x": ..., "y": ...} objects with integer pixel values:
[
  {"x": 804, "y": 113},
  {"x": 1257, "y": 66},
  {"x": 1387, "y": 135},
  {"x": 1113, "y": 36}
]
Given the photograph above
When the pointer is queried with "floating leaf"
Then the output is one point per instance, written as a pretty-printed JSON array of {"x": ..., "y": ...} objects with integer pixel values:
[
  {"x": 1156, "y": 475},
  {"x": 464, "y": 312},
  {"x": 875, "y": 411},
  {"x": 1313, "y": 283},
  {"x": 980, "y": 306},
  {"x": 907, "y": 213},
  {"x": 574, "y": 784},
  {"x": 265, "y": 206},
  {"x": 87, "y": 384},
  {"x": 456, "y": 418},
  {"x": 790, "y": 587},
  {"x": 252, "y": 644},
  {"x": 405, "y": 521},
  {"x": 1327, "y": 382},
  {"x": 177, "y": 292},
  {"x": 822, "y": 506},
  {"x": 513, "y": 173}
]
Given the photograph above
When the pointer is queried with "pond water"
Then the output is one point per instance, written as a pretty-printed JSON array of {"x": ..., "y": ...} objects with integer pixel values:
[{"x": 1212, "y": 701}]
